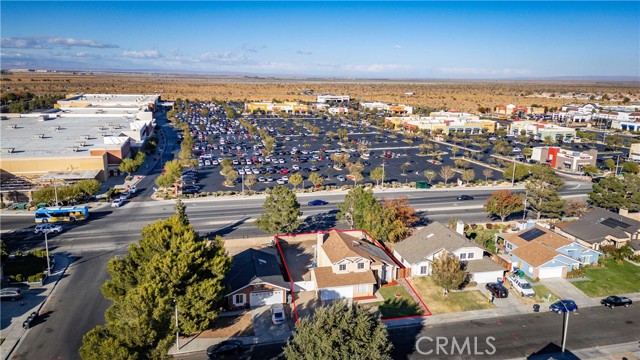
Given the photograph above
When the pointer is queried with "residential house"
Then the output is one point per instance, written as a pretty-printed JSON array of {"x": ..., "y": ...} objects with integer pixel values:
[
  {"x": 541, "y": 253},
  {"x": 349, "y": 264},
  {"x": 600, "y": 227},
  {"x": 418, "y": 252},
  {"x": 255, "y": 279}
]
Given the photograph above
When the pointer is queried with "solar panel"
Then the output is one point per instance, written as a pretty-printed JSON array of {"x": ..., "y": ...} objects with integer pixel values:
[
  {"x": 532, "y": 234},
  {"x": 612, "y": 223}
]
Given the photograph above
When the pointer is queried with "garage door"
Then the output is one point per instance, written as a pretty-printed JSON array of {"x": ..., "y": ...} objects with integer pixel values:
[
  {"x": 265, "y": 298},
  {"x": 487, "y": 276},
  {"x": 550, "y": 272},
  {"x": 336, "y": 293}
]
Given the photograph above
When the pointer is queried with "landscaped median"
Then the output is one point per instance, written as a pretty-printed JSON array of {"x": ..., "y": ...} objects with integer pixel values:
[
  {"x": 614, "y": 278},
  {"x": 454, "y": 301}
]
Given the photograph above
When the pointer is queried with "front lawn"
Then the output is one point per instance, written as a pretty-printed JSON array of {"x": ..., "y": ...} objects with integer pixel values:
[
  {"x": 613, "y": 278},
  {"x": 397, "y": 306},
  {"x": 456, "y": 301}
]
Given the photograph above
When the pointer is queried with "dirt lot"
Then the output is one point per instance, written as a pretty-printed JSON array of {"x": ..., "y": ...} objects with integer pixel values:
[
  {"x": 299, "y": 256},
  {"x": 230, "y": 326},
  {"x": 460, "y": 95}
]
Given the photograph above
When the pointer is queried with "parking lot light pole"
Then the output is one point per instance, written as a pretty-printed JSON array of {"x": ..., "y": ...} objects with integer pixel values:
[
  {"x": 383, "y": 165},
  {"x": 243, "y": 184},
  {"x": 513, "y": 176},
  {"x": 46, "y": 246}
]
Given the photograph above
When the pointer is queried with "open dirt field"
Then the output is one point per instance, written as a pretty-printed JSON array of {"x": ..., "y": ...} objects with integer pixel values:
[{"x": 459, "y": 95}]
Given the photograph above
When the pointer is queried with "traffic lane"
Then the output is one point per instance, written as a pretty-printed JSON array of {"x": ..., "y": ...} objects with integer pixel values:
[
  {"x": 523, "y": 335},
  {"x": 75, "y": 307}
]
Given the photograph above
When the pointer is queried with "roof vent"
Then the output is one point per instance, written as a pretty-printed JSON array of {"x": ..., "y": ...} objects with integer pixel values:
[
  {"x": 38, "y": 136},
  {"x": 262, "y": 262},
  {"x": 355, "y": 243},
  {"x": 75, "y": 149},
  {"x": 430, "y": 235},
  {"x": 7, "y": 150}
]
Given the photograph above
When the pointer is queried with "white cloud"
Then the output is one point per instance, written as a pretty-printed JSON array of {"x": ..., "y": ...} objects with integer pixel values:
[
  {"x": 396, "y": 46},
  {"x": 76, "y": 54},
  {"x": 253, "y": 48},
  {"x": 302, "y": 52},
  {"x": 483, "y": 71},
  {"x": 46, "y": 42},
  {"x": 142, "y": 54}
]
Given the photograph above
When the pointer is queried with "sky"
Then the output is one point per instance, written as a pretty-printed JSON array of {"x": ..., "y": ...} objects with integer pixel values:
[{"x": 394, "y": 40}]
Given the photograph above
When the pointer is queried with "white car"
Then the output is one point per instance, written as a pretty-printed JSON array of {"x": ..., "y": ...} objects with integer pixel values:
[
  {"x": 281, "y": 182},
  {"x": 117, "y": 202},
  {"x": 521, "y": 286},
  {"x": 240, "y": 171},
  {"x": 295, "y": 167},
  {"x": 261, "y": 179},
  {"x": 285, "y": 178},
  {"x": 277, "y": 314},
  {"x": 341, "y": 178},
  {"x": 50, "y": 228},
  {"x": 516, "y": 149}
]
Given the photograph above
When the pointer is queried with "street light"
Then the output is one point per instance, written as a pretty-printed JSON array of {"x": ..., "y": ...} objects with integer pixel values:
[{"x": 46, "y": 246}]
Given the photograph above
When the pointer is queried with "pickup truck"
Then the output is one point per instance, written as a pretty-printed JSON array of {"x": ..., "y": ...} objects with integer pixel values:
[{"x": 521, "y": 286}]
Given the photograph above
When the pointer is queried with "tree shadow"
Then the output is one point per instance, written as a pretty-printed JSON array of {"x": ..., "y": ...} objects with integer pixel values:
[
  {"x": 226, "y": 229},
  {"x": 318, "y": 222},
  {"x": 404, "y": 341},
  {"x": 398, "y": 307}
]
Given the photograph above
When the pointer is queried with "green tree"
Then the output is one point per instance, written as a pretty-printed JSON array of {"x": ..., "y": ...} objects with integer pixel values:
[
  {"x": 460, "y": 164},
  {"x": 250, "y": 180},
  {"x": 630, "y": 167},
  {"x": 230, "y": 177},
  {"x": 44, "y": 195},
  {"x": 614, "y": 193},
  {"x": 340, "y": 331},
  {"x": 356, "y": 204},
  {"x": 316, "y": 179},
  {"x": 128, "y": 166},
  {"x": 522, "y": 171},
  {"x": 295, "y": 179},
  {"x": 542, "y": 192},
  {"x": 355, "y": 170},
  {"x": 468, "y": 175},
  {"x": 609, "y": 163},
  {"x": 575, "y": 208},
  {"x": 487, "y": 173},
  {"x": 447, "y": 272},
  {"x": 377, "y": 175},
  {"x": 447, "y": 173},
  {"x": 430, "y": 175},
  {"x": 88, "y": 187},
  {"x": 281, "y": 212},
  {"x": 503, "y": 203},
  {"x": 591, "y": 170},
  {"x": 170, "y": 266}
]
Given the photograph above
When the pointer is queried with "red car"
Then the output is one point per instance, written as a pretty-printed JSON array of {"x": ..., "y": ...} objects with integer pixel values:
[{"x": 284, "y": 171}]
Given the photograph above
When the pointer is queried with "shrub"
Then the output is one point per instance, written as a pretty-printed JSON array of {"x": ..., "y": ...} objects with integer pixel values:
[{"x": 35, "y": 278}]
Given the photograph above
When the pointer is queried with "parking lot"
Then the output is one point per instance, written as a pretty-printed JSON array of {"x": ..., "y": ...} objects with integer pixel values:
[{"x": 308, "y": 144}]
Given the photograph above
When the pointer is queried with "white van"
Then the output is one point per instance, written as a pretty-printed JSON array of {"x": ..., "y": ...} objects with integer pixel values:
[{"x": 521, "y": 286}]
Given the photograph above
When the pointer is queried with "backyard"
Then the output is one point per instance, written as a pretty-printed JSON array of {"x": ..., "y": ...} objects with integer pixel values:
[
  {"x": 613, "y": 278},
  {"x": 397, "y": 306},
  {"x": 455, "y": 301}
]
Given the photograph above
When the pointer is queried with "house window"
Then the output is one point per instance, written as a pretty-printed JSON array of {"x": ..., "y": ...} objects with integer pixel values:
[
  {"x": 363, "y": 288},
  {"x": 423, "y": 270},
  {"x": 238, "y": 299},
  {"x": 586, "y": 259},
  {"x": 360, "y": 265},
  {"x": 342, "y": 267},
  {"x": 463, "y": 256},
  {"x": 470, "y": 256}
]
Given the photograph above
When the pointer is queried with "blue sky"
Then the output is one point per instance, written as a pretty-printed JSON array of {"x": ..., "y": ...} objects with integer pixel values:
[{"x": 330, "y": 39}]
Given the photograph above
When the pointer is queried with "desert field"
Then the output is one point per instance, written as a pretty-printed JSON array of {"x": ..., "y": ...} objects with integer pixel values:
[{"x": 458, "y": 95}]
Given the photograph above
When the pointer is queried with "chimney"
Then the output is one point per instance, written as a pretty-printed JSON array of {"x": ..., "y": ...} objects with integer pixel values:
[
  {"x": 319, "y": 242},
  {"x": 623, "y": 211},
  {"x": 460, "y": 227}
]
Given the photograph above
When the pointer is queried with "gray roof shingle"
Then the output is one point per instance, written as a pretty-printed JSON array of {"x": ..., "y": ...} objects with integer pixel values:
[
  {"x": 592, "y": 229},
  {"x": 428, "y": 240},
  {"x": 254, "y": 266}
]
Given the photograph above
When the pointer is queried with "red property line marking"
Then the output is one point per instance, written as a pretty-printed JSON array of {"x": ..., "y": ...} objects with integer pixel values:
[{"x": 293, "y": 298}]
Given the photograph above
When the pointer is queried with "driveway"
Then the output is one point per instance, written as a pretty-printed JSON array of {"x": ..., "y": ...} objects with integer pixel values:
[
  {"x": 565, "y": 290},
  {"x": 508, "y": 302},
  {"x": 264, "y": 329}
]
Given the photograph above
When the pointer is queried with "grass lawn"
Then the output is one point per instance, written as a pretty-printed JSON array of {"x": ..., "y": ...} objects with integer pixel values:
[
  {"x": 394, "y": 306},
  {"x": 541, "y": 295},
  {"x": 25, "y": 265},
  {"x": 613, "y": 278},
  {"x": 456, "y": 301}
]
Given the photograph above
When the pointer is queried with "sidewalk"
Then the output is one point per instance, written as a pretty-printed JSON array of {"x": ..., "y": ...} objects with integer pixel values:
[{"x": 33, "y": 300}]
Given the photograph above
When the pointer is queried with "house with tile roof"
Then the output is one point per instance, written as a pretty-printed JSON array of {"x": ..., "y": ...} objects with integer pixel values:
[
  {"x": 600, "y": 227},
  {"x": 541, "y": 253},
  {"x": 255, "y": 279},
  {"x": 349, "y": 264},
  {"x": 418, "y": 252}
]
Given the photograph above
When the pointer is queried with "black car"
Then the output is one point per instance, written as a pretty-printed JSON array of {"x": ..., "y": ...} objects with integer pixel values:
[
  {"x": 465, "y": 197},
  {"x": 498, "y": 290},
  {"x": 613, "y": 301},
  {"x": 226, "y": 347}
]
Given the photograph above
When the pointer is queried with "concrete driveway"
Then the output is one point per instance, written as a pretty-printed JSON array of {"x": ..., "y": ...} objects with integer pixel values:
[
  {"x": 565, "y": 290},
  {"x": 510, "y": 301},
  {"x": 264, "y": 329}
]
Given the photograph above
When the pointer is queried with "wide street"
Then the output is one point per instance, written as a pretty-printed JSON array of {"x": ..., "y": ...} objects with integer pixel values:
[
  {"x": 528, "y": 336},
  {"x": 77, "y": 304}
]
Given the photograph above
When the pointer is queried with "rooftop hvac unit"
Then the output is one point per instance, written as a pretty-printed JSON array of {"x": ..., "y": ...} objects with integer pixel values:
[
  {"x": 14, "y": 126},
  {"x": 38, "y": 136},
  {"x": 7, "y": 150},
  {"x": 75, "y": 149},
  {"x": 85, "y": 137}
]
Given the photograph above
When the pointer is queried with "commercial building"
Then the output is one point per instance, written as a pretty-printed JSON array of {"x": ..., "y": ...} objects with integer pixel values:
[
  {"x": 542, "y": 130},
  {"x": 446, "y": 122},
  {"x": 333, "y": 99},
  {"x": 123, "y": 102},
  {"x": 564, "y": 159},
  {"x": 288, "y": 107},
  {"x": 512, "y": 109},
  {"x": 634, "y": 152},
  {"x": 394, "y": 109}
]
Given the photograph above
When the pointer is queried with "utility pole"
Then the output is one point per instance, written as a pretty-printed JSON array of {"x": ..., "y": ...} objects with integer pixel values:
[
  {"x": 524, "y": 210},
  {"x": 55, "y": 190},
  {"x": 513, "y": 176},
  {"x": 243, "y": 183},
  {"x": 177, "y": 328},
  {"x": 383, "y": 165},
  {"x": 46, "y": 245},
  {"x": 617, "y": 161}
]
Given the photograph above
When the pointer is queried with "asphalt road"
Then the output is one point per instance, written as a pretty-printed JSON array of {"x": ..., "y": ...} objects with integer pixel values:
[{"x": 531, "y": 336}]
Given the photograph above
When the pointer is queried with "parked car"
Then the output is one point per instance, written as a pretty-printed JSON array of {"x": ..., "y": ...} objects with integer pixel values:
[
  {"x": 521, "y": 286},
  {"x": 117, "y": 202},
  {"x": 465, "y": 197},
  {"x": 613, "y": 301},
  {"x": 277, "y": 314},
  {"x": 561, "y": 306},
  {"x": 317, "y": 202},
  {"x": 50, "y": 228},
  {"x": 223, "y": 348},
  {"x": 498, "y": 290},
  {"x": 12, "y": 294}
]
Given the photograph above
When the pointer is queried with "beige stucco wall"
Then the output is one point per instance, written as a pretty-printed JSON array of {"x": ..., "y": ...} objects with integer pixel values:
[{"x": 40, "y": 166}]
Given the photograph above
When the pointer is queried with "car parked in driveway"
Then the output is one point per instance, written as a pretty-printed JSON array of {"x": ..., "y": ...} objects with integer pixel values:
[
  {"x": 226, "y": 347},
  {"x": 561, "y": 306},
  {"x": 317, "y": 202},
  {"x": 498, "y": 290},
  {"x": 521, "y": 286},
  {"x": 11, "y": 293},
  {"x": 615, "y": 301},
  {"x": 277, "y": 314},
  {"x": 50, "y": 228},
  {"x": 465, "y": 197}
]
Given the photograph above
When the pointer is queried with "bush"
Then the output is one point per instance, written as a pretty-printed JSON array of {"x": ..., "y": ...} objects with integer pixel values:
[
  {"x": 17, "y": 277},
  {"x": 35, "y": 278}
]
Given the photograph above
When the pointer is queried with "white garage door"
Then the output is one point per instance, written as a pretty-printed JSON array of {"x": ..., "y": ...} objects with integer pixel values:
[
  {"x": 550, "y": 272},
  {"x": 487, "y": 276},
  {"x": 336, "y": 293},
  {"x": 265, "y": 298}
]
